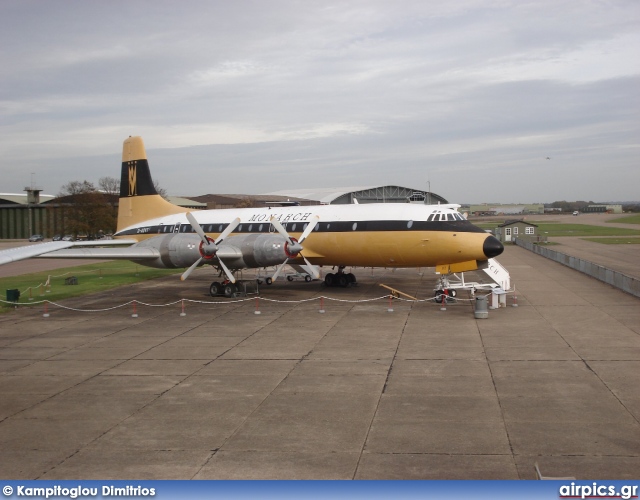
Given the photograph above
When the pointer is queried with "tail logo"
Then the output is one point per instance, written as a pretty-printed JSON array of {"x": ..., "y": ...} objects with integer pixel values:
[{"x": 132, "y": 179}]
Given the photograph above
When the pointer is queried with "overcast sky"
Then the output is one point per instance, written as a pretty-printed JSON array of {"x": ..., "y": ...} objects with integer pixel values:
[{"x": 257, "y": 96}]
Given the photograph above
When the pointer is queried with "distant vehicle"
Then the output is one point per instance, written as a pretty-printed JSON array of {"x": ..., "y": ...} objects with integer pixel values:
[
  {"x": 576, "y": 213},
  {"x": 56, "y": 237},
  {"x": 68, "y": 237},
  {"x": 36, "y": 237}
]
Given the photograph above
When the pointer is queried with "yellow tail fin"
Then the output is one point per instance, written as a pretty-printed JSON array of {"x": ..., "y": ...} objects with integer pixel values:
[{"x": 139, "y": 200}]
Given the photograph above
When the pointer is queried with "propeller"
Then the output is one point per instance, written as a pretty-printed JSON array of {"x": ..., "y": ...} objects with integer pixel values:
[
  {"x": 293, "y": 247},
  {"x": 209, "y": 247}
]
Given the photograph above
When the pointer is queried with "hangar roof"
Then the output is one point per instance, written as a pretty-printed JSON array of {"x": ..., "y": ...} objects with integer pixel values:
[
  {"x": 366, "y": 194},
  {"x": 517, "y": 221},
  {"x": 21, "y": 198}
]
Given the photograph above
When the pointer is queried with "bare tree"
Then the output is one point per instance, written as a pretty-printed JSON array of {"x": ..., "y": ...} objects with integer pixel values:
[
  {"x": 161, "y": 191},
  {"x": 88, "y": 210},
  {"x": 109, "y": 185},
  {"x": 73, "y": 188},
  {"x": 247, "y": 202}
]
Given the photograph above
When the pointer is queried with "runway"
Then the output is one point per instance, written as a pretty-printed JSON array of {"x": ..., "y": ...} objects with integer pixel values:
[{"x": 357, "y": 392}]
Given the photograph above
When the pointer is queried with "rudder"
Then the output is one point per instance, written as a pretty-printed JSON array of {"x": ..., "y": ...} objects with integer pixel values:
[
  {"x": 135, "y": 177},
  {"x": 139, "y": 199}
]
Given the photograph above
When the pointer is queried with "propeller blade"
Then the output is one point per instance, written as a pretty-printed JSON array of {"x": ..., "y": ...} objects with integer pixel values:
[
  {"x": 280, "y": 268},
  {"x": 186, "y": 274},
  {"x": 230, "y": 228},
  {"x": 310, "y": 227},
  {"x": 198, "y": 229},
  {"x": 311, "y": 269},
  {"x": 281, "y": 230},
  {"x": 226, "y": 271}
]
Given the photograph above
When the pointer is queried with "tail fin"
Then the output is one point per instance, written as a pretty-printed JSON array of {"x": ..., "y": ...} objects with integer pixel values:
[{"x": 139, "y": 199}]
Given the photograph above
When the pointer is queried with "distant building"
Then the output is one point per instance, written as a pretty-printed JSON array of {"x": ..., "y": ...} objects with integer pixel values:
[
  {"x": 186, "y": 203},
  {"x": 213, "y": 201},
  {"x": 22, "y": 215},
  {"x": 515, "y": 229},
  {"x": 363, "y": 194},
  {"x": 505, "y": 209},
  {"x": 603, "y": 209},
  {"x": 323, "y": 196}
]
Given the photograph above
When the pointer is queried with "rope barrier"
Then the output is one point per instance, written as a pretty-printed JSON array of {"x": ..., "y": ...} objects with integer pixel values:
[{"x": 135, "y": 303}]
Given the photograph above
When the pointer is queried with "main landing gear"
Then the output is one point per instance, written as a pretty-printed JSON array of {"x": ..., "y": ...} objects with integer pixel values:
[
  {"x": 340, "y": 278},
  {"x": 225, "y": 288}
]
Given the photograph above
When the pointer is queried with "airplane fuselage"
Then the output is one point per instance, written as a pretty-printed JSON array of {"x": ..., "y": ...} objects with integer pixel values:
[{"x": 378, "y": 234}]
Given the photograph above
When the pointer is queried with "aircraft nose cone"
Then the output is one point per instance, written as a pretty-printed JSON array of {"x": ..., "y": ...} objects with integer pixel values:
[{"x": 492, "y": 247}]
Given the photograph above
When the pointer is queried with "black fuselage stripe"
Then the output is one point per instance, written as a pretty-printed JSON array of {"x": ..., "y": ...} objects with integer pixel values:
[{"x": 322, "y": 227}]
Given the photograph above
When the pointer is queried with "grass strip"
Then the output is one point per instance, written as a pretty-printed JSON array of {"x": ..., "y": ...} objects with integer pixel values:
[
  {"x": 630, "y": 219},
  {"x": 51, "y": 285},
  {"x": 615, "y": 241}
]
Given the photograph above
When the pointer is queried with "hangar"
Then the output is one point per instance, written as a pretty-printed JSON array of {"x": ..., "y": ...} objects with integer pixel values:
[
  {"x": 363, "y": 194},
  {"x": 323, "y": 196},
  {"x": 23, "y": 214}
]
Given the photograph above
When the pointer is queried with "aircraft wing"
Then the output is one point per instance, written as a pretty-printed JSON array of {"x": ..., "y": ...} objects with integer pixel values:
[
  {"x": 51, "y": 247},
  {"x": 130, "y": 253}
]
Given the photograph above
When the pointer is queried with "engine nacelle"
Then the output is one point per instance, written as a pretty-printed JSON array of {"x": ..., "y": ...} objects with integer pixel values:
[
  {"x": 176, "y": 250},
  {"x": 253, "y": 250},
  {"x": 238, "y": 252}
]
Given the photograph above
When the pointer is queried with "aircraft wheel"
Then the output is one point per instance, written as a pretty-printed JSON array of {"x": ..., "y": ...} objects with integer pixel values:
[
  {"x": 307, "y": 278},
  {"x": 453, "y": 293},
  {"x": 329, "y": 279},
  {"x": 230, "y": 290},
  {"x": 215, "y": 289},
  {"x": 343, "y": 281},
  {"x": 268, "y": 281},
  {"x": 351, "y": 277},
  {"x": 289, "y": 278},
  {"x": 438, "y": 295}
]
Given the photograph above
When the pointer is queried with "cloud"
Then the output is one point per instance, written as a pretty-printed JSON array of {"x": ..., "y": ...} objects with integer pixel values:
[{"x": 472, "y": 93}]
